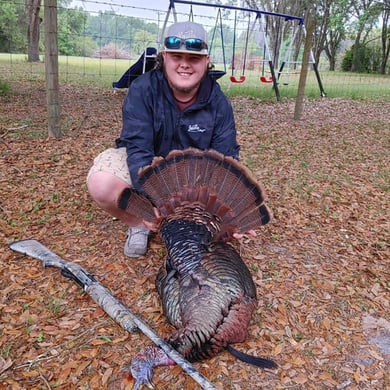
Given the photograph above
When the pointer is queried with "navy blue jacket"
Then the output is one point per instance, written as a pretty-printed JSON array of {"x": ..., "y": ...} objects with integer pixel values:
[{"x": 153, "y": 125}]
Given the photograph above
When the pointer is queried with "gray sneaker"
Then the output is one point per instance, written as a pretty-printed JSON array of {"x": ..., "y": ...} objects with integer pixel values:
[{"x": 137, "y": 242}]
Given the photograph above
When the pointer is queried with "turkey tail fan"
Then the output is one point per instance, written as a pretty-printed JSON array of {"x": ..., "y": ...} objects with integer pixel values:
[
  {"x": 235, "y": 184},
  {"x": 169, "y": 176},
  {"x": 236, "y": 187},
  {"x": 189, "y": 167},
  {"x": 220, "y": 185},
  {"x": 255, "y": 360},
  {"x": 136, "y": 204},
  {"x": 194, "y": 160},
  {"x": 156, "y": 180},
  {"x": 177, "y": 165},
  {"x": 252, "y": 218}
]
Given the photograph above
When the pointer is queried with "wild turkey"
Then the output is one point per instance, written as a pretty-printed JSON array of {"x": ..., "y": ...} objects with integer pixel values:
[{"x": 207, "y": 292}]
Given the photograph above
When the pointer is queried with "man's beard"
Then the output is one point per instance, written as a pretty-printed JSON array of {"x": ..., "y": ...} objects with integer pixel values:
[{"x": 184, "y": 90}]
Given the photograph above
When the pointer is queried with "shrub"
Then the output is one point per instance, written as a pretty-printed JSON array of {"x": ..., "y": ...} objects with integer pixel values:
[
  {"x": 5, "y": 88},
  {"x": 112, "y": 51},
  {"x": 361, "y": 63}
]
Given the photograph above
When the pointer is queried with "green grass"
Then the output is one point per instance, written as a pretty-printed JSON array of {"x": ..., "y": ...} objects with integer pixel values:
[
  {"x": 336, "y": 84},
  {"x": 102, "y": 72},
  {"x": 79, "y": 70},
  {"x": 5, "y": 88}
]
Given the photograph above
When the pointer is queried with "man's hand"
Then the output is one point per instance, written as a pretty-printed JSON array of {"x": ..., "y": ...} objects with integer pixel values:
[
  {"x": 238, "y": 236},
  {"x": 152, "y": 225}
]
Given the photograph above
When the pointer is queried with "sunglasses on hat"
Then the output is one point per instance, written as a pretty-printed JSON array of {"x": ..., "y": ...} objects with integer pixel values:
[{"x": 191, "y": 44}]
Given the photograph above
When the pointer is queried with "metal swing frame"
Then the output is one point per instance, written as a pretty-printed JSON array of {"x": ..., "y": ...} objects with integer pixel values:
[
  {"x": 259, "y": 15},
  {"x": 287, "y": 58},
  {"x": 266, "y": 51},
  {"x": 242, "y": 78},
  {"x": 218, "y": 73}
]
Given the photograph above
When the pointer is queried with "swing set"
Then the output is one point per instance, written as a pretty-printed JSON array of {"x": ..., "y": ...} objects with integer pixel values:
[
  {"x": 242, "y": 78},
  {"x": 259, "y": 20},
  {"x": 266, "y": 51},
  {"x": 214, "y": 72}
]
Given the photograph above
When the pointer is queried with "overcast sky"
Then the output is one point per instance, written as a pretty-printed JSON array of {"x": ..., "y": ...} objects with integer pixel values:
[{"x": 153, "y": 10}]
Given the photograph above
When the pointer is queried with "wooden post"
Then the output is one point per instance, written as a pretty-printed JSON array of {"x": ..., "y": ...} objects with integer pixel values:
[
  {"x": 51, "y": 69},
  {"x": 304, "y": 70}
]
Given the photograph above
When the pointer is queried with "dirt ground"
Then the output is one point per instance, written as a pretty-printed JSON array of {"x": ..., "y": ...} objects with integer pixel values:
[{"x": 321, "y": 267}]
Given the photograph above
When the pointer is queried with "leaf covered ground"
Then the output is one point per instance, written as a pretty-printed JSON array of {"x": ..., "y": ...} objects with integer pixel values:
[{"x": 321, "y": 267}]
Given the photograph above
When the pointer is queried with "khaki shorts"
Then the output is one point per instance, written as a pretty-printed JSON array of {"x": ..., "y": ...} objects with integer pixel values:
[{"x": 112, "y": 160}]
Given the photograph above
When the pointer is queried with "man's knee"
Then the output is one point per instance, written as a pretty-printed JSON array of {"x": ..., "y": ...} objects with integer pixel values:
[{"x": 105, "y": 188}]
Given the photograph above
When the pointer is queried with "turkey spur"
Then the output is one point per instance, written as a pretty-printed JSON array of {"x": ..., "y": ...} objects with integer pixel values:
[{"x": 202, "y": 198}]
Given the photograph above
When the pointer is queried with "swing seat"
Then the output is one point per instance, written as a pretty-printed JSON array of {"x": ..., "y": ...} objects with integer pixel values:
[
  {"x": 263, "y": 79},
  {"x": 240, "y": 80}
]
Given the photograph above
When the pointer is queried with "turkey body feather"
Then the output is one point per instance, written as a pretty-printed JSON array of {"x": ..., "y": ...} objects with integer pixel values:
[
  {"x": 207, "y": 293},
  {"x": 206, "y": 290}
]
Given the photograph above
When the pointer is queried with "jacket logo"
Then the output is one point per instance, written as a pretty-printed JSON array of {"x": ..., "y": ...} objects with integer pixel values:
[{"x": 195, "y": 129}]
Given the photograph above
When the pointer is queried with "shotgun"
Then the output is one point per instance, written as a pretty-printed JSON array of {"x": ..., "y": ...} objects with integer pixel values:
[{"x": 103, "y": 297}]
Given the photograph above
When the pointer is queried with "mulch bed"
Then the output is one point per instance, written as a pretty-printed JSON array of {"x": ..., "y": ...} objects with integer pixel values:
[{"x": 321, "y": 267}]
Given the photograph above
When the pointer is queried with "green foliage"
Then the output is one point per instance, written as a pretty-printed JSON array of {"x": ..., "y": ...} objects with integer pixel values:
[
  {"x": 346, "y": 63},
  {"x": 71, "y": 37},
  {"x": 126, "y": 32},
  {"x": 220, "y": 52},
  {"x": 143, "y": 39},
  {"x": 5, "y": 88},
  {"x": 84, "y": 34},
  {"x": 376, "y": 54},
  {"x": 359, "y": 60},
  {"x": 40, "y": 337},
  {"x": 12, "y": 35},
  {"x": 79, "y": 33}
]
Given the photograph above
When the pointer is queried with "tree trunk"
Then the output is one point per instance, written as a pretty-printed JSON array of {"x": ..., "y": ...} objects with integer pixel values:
[
  {"x": 385, "y": 38},
  {"x": 355, "y": 66},
  {"x": 305, "y": 68},
  {"x": 33, "y": 23},
  {"x": 332, "y": 64}
]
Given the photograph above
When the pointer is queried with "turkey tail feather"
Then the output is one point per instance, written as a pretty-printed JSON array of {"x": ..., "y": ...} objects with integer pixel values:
[
  {"x": 219, "y": 185},
  {"x": 254, "y": 360},
  {"x": 136, "y": 204}
]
